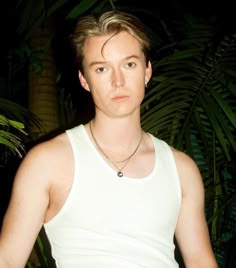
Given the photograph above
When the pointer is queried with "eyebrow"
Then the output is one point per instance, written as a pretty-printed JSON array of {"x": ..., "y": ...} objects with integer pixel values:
[{"x": 104, "y": 62}]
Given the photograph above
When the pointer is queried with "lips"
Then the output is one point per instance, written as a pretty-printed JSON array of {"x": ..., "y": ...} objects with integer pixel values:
[{"x": 120, "y": 98}]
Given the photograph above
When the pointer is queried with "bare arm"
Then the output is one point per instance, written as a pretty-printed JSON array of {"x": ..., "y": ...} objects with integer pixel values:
[
  {"x": 192, "y": 230},
  {"x": 26, "y": 211}
]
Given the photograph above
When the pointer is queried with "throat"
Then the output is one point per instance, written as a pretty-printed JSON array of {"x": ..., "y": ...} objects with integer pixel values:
[{"x": 119, "y": 165}]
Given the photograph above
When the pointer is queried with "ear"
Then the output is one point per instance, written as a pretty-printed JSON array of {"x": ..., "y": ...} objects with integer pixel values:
[
  {"x": 148, "y": 72},
  {"x": 83, "y": 81}
]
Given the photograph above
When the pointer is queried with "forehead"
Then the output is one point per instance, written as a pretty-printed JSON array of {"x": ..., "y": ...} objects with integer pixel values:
[{"x": 112, "y": 46}]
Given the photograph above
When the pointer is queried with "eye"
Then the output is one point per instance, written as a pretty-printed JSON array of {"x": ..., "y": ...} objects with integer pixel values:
[
  {"x": 101, "y": 70},
  {"x": 130, "y": 64}
]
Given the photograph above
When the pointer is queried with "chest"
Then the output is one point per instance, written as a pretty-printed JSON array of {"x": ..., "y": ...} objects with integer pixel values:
[{"x": 129, "y": 205}]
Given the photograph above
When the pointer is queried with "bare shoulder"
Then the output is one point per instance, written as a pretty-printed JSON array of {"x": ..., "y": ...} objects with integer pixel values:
[
  {"x": 189, "y": 173},
  {"x": 49, "y": 148},
  {"x": 44, "y": 159},
  {"x": 183, "y": 160}
]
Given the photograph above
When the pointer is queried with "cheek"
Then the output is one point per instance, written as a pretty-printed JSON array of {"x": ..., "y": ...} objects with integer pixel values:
[
  {"x": 98, "y": 81},
  {"x": 142, "y": 94},
  {"x": 141, "y": 91},
  {"x": 98, "y": 94}
]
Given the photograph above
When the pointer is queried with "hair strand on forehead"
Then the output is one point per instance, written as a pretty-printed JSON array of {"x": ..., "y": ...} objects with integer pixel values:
[{"x": 110, "y": 22}]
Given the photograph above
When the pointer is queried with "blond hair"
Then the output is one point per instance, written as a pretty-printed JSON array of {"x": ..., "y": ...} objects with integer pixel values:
[{"x": 108, "y": 23}]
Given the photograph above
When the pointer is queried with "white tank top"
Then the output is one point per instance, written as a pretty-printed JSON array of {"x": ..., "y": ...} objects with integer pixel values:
[{"x": 112, "y": 222}]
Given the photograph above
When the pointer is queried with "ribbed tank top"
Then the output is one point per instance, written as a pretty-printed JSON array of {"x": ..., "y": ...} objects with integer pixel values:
[{"x": 112, "y": 222}]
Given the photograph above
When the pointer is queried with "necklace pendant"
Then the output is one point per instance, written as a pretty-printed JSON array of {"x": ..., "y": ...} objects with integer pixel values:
[{"x": 120, "y": 174}]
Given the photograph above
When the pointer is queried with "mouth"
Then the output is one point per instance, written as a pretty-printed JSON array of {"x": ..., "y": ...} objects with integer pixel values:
[{"x": 120, "y": 98}]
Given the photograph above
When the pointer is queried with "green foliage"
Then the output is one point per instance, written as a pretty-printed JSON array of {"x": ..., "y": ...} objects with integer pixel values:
[
  {"x": 8, "y": 139},
  {"x": 191, "y": 103},
  {"x": 12, "y": 127}
]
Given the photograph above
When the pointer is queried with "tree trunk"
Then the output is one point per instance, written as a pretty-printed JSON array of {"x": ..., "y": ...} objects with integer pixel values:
[{"x": 43, "y": 100}]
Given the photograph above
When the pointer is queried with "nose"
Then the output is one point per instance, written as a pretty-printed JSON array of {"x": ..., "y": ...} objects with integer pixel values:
[{"x": 118, "y": 79}]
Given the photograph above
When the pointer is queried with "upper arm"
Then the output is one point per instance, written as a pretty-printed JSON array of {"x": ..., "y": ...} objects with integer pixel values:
[
  {"x": 192, "y": 231},
  {"x": 25, "y": 214}
]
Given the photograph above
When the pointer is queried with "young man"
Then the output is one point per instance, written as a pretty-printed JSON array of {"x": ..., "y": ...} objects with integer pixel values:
[{"x": 107, "y": 193}]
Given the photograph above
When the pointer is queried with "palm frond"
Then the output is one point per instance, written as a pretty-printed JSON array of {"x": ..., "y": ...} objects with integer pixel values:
[{"x": 190, "y": 103}]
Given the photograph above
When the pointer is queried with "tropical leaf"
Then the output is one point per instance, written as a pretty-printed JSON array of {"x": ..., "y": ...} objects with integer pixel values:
[
  {"x": 191, "y": 104},
  {"x": 12, "y": 141},
  {"x": 81, "y": 8},
  {"x": 10, "y": 109}
]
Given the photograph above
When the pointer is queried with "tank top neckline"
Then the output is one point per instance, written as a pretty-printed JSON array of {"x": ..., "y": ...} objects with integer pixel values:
[{"x": 98, "y": 155}]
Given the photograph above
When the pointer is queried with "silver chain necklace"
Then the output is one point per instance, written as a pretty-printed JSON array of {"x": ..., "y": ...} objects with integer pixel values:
[{"x": 125, "y": 161}]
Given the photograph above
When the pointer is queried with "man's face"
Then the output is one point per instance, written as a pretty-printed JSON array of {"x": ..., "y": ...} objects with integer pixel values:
[{"x": 115, "y": 73}]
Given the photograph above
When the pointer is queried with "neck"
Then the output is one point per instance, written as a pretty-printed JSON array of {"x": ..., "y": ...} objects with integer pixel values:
[
  {"x": 118, "y": 141},
  {"x": 124, "y": 161},
  {"x": 116, "y": 132}
]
